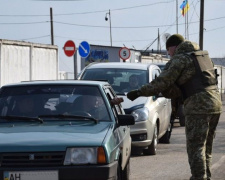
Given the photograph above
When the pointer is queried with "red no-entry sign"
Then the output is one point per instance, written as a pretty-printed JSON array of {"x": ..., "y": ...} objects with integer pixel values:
[{"x": 69, "y": 48}]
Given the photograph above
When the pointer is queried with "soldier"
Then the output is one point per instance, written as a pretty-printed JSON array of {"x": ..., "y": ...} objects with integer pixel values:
[{"x": 190, "y": 73}]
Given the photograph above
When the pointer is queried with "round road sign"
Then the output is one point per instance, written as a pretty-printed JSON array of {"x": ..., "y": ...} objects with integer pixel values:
[
  {"x": 124, "y": 53},
  {"x": 69, "y": 48},
  {"x": 84, "y": 49}
]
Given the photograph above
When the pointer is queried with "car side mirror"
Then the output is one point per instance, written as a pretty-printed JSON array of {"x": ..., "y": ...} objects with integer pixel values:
[{"x": 125, "y": 120}]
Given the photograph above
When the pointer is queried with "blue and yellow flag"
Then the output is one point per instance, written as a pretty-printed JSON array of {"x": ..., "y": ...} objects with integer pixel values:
[{"x": 184, "y": 7}]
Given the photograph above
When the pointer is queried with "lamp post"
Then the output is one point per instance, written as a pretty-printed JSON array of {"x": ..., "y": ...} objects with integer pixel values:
[{"x": 106, "y": 18}]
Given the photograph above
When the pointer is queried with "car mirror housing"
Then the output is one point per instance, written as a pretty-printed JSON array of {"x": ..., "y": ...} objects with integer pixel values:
[{"x": 124, "y": 120}]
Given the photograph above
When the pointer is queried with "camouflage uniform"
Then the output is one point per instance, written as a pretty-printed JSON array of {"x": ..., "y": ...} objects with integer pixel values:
[{"x": 202, "y": 110}]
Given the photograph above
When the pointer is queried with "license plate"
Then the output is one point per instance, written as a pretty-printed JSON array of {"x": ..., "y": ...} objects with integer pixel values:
[{"x": 31, "y": 175}]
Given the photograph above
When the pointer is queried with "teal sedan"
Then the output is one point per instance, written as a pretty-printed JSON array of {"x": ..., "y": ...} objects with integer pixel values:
[{"x": 63, "y": 130}]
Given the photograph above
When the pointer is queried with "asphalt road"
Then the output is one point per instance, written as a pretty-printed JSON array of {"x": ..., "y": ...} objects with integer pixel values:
[{"x": 171, "y": 161}]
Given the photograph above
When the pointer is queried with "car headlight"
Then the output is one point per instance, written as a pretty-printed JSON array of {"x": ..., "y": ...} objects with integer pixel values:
[
  {"x": 141, "y": 114},
  {"x": 89, "y": 155}
]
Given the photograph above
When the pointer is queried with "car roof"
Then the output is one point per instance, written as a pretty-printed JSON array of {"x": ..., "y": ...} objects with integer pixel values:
[
  {"x": 120, "y": 65},
  {"x": 58, "y": 82}
]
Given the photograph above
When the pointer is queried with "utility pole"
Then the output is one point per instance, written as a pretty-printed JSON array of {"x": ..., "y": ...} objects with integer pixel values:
[
  {"x": 177, "y": 15},
  {"x": 201, "y": 29},
  {"x": 106, "y": 18},
  {"x": 51, "y": 21},
  {"x": 187, "y": 22},
  {"x": 159, "y": 45}
]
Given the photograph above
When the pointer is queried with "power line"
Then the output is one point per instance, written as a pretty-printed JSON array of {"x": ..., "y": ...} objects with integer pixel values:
[
  {"x": 115, "y": 27},
  {"x": 40, "y": 22},
  {"x": 92, "y": 12},
  {"x": 35, "y": 37},
  {"x": 117, "y": 41},
  {"x": 104, "y": 40}
]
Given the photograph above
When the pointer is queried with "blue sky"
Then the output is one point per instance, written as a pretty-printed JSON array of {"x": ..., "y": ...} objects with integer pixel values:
[{"x": 135, "y": 23}]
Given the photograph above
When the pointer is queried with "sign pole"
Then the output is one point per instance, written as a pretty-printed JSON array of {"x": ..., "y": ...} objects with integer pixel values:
[{"x": 75, "y": 64}]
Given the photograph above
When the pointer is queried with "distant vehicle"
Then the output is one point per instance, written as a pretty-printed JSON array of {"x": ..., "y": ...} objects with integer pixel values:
[
  {"x": 152, "y": 114},
  {"x": 179, "y": 113},
  {"x": 61, "y": 130}
]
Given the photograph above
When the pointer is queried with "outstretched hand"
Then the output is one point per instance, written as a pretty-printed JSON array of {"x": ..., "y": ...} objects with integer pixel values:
[{"x": 134, "y": 94}]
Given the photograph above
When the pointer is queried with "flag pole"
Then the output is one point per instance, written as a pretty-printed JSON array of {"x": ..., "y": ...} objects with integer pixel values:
[
  {"x": 201, "y": 25},
  {"x": 177, "y": 14},
  {"x": 187, "y": 21}
]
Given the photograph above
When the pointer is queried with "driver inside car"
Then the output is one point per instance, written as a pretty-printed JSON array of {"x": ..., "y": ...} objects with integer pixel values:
[{"x": 92, "y": 106}]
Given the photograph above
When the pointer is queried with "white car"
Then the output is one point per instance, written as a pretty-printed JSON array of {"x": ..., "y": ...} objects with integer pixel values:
[{"x": 152, "y": 114}]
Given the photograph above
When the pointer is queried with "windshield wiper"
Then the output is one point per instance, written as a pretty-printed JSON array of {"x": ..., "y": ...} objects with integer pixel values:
[
  {"x": 121, "y": 94},
  {"x": 65, "y": 116},
  {"x": 16, "y": 118}
]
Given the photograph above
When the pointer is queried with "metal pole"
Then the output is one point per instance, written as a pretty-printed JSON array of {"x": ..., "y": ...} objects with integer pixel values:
[
  {"x": 187, "y": 22},
  {"x": 75, "y": 64},
  {"x": 110, "y": 27},
  {"x": 177, "y": 15},
  {"x": 51, "y": 20},
  {"x": 201, "y": 28}
]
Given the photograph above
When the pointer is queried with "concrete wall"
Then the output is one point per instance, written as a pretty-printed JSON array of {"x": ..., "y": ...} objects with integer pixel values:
[{"x": 23, "y": 61}]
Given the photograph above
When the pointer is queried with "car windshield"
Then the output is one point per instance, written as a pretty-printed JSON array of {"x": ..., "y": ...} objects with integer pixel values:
[
  {"x": 161, "y": 66},
  {"x": 122, "y": 80},
  {"x": 52, "y": 102}
]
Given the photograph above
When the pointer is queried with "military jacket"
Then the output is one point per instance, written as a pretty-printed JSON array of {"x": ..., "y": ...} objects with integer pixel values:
[{"x": 178, "y": 71}]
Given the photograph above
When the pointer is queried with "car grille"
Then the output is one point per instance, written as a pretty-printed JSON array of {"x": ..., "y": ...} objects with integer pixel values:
[{"x": 34, "y": 159}]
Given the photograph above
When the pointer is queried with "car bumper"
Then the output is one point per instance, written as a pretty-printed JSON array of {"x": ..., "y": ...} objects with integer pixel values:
[
  {"x": 99, "y": 172},
  {"x": 141, "y": 134}
]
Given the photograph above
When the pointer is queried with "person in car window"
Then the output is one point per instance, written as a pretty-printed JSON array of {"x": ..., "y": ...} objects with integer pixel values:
[
  {"x": 133, "y": 83},
  {"x": 92, "y": 106},
  {"x": 192, "y": 72},
  {"x": 24, "y": 107}
]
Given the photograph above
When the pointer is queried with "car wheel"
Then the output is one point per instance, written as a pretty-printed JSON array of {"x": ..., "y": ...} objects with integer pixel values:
[
  {"x": 182, "y": 121},
  {"x": 166, "y": 137},
  {"x": 181, "y": 116},
  {"x": 151, "y": 150},
  {"x": 119, "y": 172},
  {"x": 123, "y": 174},
  {"x": 126, "y": 172}
]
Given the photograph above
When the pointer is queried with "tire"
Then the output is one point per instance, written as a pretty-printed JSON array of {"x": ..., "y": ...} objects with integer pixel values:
[
  {"x": 123, "y": 174},
  {"x": 126, "y": 172},
  {"x": 151, "y": 150},
  {"x": 166, "y": 137},
  {"x": 182, "y": 121},
  {"x": 180, "y": 115}
]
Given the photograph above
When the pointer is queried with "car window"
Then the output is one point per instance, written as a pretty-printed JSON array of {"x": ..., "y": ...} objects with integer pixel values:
[
  {"x": 161, "y": 66},
  {"x": 155, "y": 73},
  {"x": 117, "y": 109},
  {"x": 33, "y": 101},
  {"x": 120, "y": 79}
]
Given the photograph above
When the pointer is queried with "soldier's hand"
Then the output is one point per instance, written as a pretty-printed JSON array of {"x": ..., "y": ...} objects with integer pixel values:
[{"x": 132, "y": 95}]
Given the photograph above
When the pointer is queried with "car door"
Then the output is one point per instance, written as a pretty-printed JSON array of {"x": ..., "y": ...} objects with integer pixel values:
[
  {"x": 122, "y": 132},
  {"x": 162, "y": 105}
]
